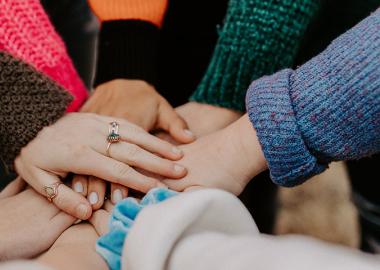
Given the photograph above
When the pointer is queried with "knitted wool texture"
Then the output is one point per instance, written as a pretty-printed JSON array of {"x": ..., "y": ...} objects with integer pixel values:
[
  {"x": 328, "y": 109},
  {"x": 27, "y": 33},
  {"x": 148, "y": 10},
  {"x": 258, "y": 37},
  {"x": 29, "y": 101}
]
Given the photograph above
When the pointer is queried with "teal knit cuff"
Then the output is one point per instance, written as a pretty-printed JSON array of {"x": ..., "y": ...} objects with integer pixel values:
[{"x": 259, "y": 37}]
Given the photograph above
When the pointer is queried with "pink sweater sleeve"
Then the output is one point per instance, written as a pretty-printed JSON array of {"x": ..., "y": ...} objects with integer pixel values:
[{"x": 27, "y": 33}]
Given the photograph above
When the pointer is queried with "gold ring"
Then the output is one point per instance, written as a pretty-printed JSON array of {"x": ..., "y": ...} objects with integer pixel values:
[{"x": 52, "y": 191}]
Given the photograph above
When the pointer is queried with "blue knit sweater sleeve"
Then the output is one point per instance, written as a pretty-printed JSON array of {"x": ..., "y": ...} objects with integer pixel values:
[{"x": 326, "y": 110}]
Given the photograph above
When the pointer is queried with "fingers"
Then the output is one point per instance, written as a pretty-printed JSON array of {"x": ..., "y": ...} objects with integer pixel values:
[
  {"x": 96, "y": 192},
  {"x": 166, "y": 137},
  {"x": 136, "y": 135},
  {"x": 66, "y": 199},
  {"x": 118, "y": 193},
  {"x": 108, "y": 206},
  {"x": 100, "y": 220},
  {"x": 80, "y": 184},
  {"x": 13, "y": 188},
  {"x": 135, "y": 156},
  {"x": 171, "y": 122},
  {"x": 177, "y": 185},
  {"x": 114, "y": 171}
]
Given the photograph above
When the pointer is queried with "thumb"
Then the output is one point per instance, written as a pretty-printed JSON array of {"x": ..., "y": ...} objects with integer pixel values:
[
  {"x": 66, "y": 199},
  {"x": 172, "y": 123}
]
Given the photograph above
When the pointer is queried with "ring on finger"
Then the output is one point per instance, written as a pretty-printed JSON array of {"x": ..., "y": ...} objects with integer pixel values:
[
  {"x": 113, "y": 135},
  {"x": 51, "y": 191}
]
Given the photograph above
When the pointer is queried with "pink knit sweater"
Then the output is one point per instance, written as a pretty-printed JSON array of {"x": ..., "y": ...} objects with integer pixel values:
[{"x": 27, "y": 33}]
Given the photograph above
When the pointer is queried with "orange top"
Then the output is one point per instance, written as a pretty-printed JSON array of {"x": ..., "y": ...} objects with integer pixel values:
[{"x": 147, "y": 10}]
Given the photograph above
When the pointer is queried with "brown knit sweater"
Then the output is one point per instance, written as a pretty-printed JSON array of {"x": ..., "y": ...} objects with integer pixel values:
[{"x": 29, "y": 101}]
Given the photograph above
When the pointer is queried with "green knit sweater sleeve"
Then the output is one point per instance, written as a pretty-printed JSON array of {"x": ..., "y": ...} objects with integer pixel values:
[{"x": 258, "y": 38}]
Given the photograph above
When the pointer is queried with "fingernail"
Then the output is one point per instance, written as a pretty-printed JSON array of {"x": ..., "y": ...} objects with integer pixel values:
[
  {"x": 161, "y": 185},
  {"x": 189, "y": 133},
  {"x": 176, "y": 150},
  {"x": 117, "y": 196},
  {"x": 82, "y": 211},
  {"x": 93, "y": 198},
  {"x": 78, "y": 187},
  {"x": 178, "y": 168}
]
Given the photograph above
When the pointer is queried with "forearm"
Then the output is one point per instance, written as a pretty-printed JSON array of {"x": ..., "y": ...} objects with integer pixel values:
[
  {"x": 328, "y": 109},
  {"x": 257, "y": 38},
  {"x": 243, "y": 138}
]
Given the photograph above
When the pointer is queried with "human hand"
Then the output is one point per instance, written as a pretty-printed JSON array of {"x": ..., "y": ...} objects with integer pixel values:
[
  {"x": 204, "y": 119},
  {"x": 227, "y": 159},
  {"x": 29, "y": 224},
  {"x": 77, "y": 143},
  {"x": 94, "y": 189},
  {"x": 74, "y": 249},
  {"x": 140, "y": 103}
]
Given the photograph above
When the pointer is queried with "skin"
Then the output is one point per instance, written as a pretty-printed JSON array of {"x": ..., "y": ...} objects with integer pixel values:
[
  {"x": 27, "y": 229},
  {"x": 232, "y": 156},
  {"x": 75, "y": 249},
  {"x": 140, "y": 103},
  {"x": 204, "y": 119},
  {"x": 77, "y": 144}
]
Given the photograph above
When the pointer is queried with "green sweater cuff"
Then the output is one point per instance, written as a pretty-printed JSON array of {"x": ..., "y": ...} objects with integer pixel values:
[{"x": 259, "y": 37}]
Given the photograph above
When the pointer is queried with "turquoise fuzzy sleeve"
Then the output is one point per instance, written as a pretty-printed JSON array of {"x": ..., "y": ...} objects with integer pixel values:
[{"x": 110, "y": 246}]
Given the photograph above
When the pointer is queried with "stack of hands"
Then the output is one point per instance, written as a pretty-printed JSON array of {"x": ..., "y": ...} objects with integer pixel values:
[{"x": 192, "y": 146}]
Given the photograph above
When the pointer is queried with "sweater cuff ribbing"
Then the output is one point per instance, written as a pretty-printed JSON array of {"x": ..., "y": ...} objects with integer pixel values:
[
  {"x": 258, "y": 38},
  {"x": 127, "y": 49},
  {"x": 29, "y": 102},
  {"x": 271, "y": 113}
]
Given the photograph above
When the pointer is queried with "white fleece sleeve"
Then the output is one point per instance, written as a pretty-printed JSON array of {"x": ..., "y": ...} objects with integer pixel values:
[{"x": 211, "y": 229}]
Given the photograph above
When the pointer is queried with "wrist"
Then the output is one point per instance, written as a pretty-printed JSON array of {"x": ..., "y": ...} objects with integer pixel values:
[{"x": 243, "y": 138}]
